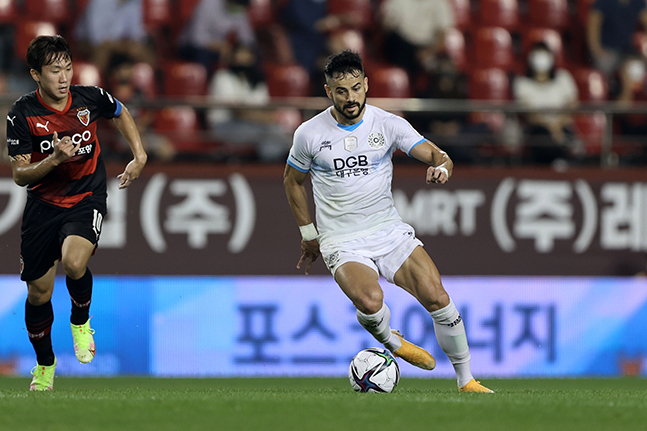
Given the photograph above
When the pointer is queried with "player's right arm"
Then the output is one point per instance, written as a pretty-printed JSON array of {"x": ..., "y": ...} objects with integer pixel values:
[
  {"x": 25, "y": 173},
  {"x": 293, "y": 181}
]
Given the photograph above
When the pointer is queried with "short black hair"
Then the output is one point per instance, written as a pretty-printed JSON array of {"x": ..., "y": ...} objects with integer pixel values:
[
  {"x": 342, "y": 63},
  {"x": 45, "y": 50}
]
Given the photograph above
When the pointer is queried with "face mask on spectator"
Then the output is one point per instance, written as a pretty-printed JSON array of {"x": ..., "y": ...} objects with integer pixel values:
[
  {"x": 636, "y": 70},
  {"x": 541, "y": 61}
]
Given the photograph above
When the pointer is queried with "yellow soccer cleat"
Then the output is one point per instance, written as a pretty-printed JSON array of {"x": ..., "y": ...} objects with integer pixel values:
[
  {"x": 475, "y": 387},
  {"x": 84, "y": 347},
  {"x": 413, "y": 354},
  {"x": 43, "y": 377}
]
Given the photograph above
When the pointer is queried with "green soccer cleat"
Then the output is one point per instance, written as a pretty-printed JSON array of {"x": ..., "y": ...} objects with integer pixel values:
[
  {"x": 475, "y": 387},
  {"x": 413, "y": 354},
  {"x": 43, "y": 377},
  {"x": 84, "y": 348}
]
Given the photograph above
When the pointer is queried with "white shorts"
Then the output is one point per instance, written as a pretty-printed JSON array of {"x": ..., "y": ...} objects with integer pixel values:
[{"x": 384, "y": 251}]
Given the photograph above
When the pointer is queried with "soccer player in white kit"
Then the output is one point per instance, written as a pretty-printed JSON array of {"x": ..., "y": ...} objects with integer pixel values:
[{"x": 348, "y": 151}]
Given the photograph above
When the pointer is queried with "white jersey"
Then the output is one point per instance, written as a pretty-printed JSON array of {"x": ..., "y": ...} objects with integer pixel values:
[{"x": 351, "y": 169}]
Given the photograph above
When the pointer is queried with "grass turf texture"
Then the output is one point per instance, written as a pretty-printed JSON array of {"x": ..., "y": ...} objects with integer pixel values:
[{"x": 321, "y": 404}]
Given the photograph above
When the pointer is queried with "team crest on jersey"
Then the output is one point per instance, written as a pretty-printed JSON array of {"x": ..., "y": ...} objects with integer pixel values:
[
  {"x": 376, "y": 140},
  {"x": 350, "y": 143},
  {"x": 84, "y": 116}
]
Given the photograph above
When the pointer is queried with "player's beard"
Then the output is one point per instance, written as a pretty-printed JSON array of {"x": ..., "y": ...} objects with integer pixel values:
[{"x": 342, "y": 109}]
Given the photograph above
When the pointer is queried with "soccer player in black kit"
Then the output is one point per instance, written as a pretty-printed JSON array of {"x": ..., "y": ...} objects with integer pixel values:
[{"x": 55, "y": 152}]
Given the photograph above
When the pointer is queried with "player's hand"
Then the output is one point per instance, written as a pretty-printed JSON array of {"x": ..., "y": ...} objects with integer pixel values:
[
  {"x": 131, "y": 173},
  {"x": 436, "y": 175},
  {"x": 309, "y": 253},
  {"x": 64, "y": 148}
]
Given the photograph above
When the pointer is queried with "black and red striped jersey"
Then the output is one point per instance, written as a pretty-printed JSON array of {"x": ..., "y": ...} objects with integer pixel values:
[{"x": 31, "y": 124}]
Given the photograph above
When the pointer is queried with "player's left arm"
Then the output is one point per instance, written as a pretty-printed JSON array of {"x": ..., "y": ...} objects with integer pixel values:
[
  {"x": 126, "y": 125},
  {"x": 440, "y": 165}
]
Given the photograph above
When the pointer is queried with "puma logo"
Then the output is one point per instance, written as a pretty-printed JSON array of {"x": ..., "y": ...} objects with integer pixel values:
[
  {"x": 11, "y": 119},
  {"x": 45, "y": 126}
]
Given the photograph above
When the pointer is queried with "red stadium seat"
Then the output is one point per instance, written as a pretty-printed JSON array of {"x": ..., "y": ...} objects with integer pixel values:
[
  {"x": 359, "y": 10},
  {"x": 388, "y": 81},
  {"x": 157, "y": 13},
  {"x": 583, "y": 7},
  {"x": 86, "y": 74},
  {"x": 591, "y": 84},
  {"x": 591, "y": 128},
  {"x": 260, "y": 13},
  {"x": 462, "y": 13},
  {"x": 548, "y": 13},
  {"x": 28, "y": 30},
  {"x": 144, "y": 79},
  {"x": 182, "y": 78},
  {"x": 493, "y": 48},
  {"x": 56, "y": 11},
  {"x": 499, "y": 13},
  {"x": 551, "y": 37},
  {"x": 455, "y": 48},
  {"x": 181, "y": 125},
  {"x": 8, "y": 11},
  {"x": 489, "y": 84},
  {"x": 287, "y": 80}
]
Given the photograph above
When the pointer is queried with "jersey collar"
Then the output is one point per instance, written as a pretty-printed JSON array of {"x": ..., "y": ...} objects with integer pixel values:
[{"x": 67, "y": 105}]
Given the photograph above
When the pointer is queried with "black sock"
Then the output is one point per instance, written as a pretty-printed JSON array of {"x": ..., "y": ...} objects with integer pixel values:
[
  {"x": 81, "y": 295},
  {"x": 39, "y": 320}
]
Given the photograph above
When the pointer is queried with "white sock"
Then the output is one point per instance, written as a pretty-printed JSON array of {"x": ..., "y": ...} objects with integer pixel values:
[
  {"x": 379, "y": 325},
  {"x": 450, "y": 333}
]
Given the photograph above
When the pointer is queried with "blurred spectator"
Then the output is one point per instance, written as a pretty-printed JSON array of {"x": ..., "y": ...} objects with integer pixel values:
[
  {"x": 121, "y": 84},
  {"x": 551, "y": 136},
  {"x": 113, "y": 26},
  {"x": 452, "y": 130},
  {"x": 610, "y": 28},
  {"x": 308, "y": 25},
  {"x": 213, "y": 28},
  {"x": 416, "y": 32},
  {"x": 632, "y": 78},
  {"x": 241, "y": 81}
]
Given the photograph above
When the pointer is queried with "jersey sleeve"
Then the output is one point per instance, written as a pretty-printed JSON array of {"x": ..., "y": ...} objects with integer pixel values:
[
  {"x": 18, "y": 136},
  {"x": 108, "y": 106},
  {"x": 300, "y": 158},
  {"x": 404, "y": 136}
]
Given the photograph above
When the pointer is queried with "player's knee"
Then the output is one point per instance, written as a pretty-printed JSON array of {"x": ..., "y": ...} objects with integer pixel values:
[
  {"x": 38, "y": 295},
  {"x": 370, "y": 303},
  {"x": 74, "y": 268},
  {"x": 433, "y": 296}
]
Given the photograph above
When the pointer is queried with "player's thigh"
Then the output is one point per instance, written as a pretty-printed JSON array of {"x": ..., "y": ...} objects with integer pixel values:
[
  {"x": 360, "y": 283},
  {"x": 40, "y": 290},
  {"x": 76, "y": 252},
  {"x": 419, "y": 276}
]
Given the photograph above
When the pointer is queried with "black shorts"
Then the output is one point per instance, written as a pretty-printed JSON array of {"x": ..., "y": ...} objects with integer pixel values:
[{"x": 45, "y": 227}]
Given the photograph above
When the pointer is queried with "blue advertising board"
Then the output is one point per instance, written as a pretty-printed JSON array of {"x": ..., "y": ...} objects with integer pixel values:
[{"x": 304, "y": 326}]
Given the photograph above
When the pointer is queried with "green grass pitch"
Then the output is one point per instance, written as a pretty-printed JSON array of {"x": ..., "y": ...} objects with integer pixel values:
[{"x": 126, "y": 404}]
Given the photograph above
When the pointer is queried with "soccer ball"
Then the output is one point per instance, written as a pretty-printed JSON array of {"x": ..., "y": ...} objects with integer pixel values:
[{"x": 374, "y": 370}]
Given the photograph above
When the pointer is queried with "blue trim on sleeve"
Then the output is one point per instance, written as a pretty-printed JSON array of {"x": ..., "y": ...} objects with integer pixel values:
[
  {"x": 351, "y": 127},
  {"x": 305, "y": 171},
  {"x": 414, "y": 146},
  {"x": 119, "y": 108}
]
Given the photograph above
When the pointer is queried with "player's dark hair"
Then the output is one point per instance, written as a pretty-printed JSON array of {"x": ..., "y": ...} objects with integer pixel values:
[
  {"x": 343, "y": 63},
  {"x": 45, "y": 50}
]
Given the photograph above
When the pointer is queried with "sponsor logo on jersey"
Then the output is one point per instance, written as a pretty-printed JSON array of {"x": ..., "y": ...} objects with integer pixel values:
[
  {"x": 43, "y": 126},
  {"x": 350, "y": 143},
  {"x": 376, "y": 140},
  {"x": 11, "y": 141},
  {"x": 11, "y": 119},
  {"x": 77, "y": 138},
  {"x": 325, "y": 144},
  {"x": 84, "y": 115}
]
